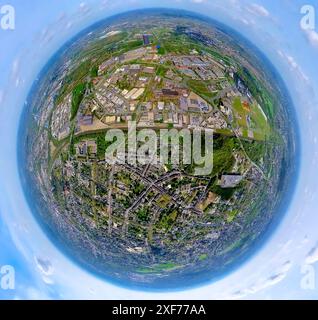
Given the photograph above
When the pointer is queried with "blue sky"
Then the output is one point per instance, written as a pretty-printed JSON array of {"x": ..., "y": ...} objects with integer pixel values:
[{"x": 274, "y": 26}]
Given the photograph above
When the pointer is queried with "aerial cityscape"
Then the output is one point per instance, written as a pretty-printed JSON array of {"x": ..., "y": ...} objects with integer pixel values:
[{"x": 157, "y": 224}]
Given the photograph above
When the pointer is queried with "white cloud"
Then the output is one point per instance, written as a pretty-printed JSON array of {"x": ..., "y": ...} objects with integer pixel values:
[
  {"x": 293, "y": 65},
  {"x": 15, "y": 67},
  {"x": 258, "y": 10},
  {"x": 312, "y": 256},
  {"x": 46, "y": 270},
  {"x": 197, "y": 1},
  {"x": 266, "y": 283},
  {"x": 292, "y": 62},
  {"x": 82, "y": 5},
  {"x": 47, "y": 35},
  {"x": 84, "y": 8},
  {"x": 1, "y": 96},
  {"x": 45, "y": 266},
  {"x": 312, "y": 37},
  {"x": 69, "y": 25},
  {"x": 247, "y": 22},
  {"x": 15, "y": 78},
  {"x": 105, "y": 3},
  {"x": 33, "y": 293},
  {"x": 47, "y": 280},
  {"x": 246, "y": 13}
]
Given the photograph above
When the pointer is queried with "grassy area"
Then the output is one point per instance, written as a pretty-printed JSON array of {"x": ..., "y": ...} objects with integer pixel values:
[
  {"x": 200, "y": 88},
  {"x": 231, "y": 215},
  {"x": 223, "y": 159},
  {"x": 176, "y": 45},
  {"x": 241, "y": 113},
  {"x": 143, "y": 214},
  {"x": 94, "y": 71},
  {"x": 167, "y": 219},
  {"x": 77, "y": 97},
  {"x": 255, "y": 150},
  {"x": 258, "y": 91},
  {"x": 102, "y": 48},
  {"x": 258, "y": 123},
  {"x": 73, "y": 79},
  {"x": 180, "y": 43},
  {"x": 163, "y": 201},
  {"x": 138, "y": 187},
  {"x": 131, "y": 45},
  {"x": 218, "y": 56},
  {"x": 161, "y": 71},
  {"x": 169, "y": 266},
  {"x": 161, "y": 51},
  {"x": 203, "y": 257},
  {"x": 225, "y": 194},
  {"x": 124, "y": 83},
  {"x": 233, "y": 246}
]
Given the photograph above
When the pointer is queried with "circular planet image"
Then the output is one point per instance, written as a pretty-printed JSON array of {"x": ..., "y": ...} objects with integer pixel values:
[{"x": 166, "y": 77}]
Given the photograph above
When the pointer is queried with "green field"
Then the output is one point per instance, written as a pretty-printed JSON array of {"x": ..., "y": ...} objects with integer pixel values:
[
  {"x": 169, "y": 266},
  {"x": 200, "y": 88},
  {"x": 258, "y": 122},
  {"x": 77, "y": 97}
]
